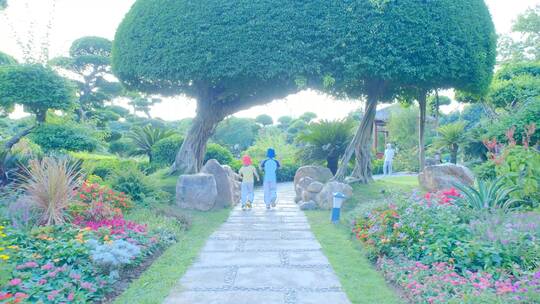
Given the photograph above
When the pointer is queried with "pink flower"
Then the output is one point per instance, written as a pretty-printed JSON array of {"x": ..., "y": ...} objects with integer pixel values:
[
  {"x": 47, "y": 266},
  {"x": 86, "y": 285},
  {"x": 71, "y": 296},
  {"x": 42, "y": 282},
  {"x": 53, "y": 295},
  {"x": 21, "y": 295},
  {"x": 75, "y": 276},
  {"x": 15, "y": 282}
]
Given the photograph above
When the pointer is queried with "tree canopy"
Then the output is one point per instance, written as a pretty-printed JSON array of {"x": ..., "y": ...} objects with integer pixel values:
[
  {"x": 6, "y": 59},
  {"x": 229, "y": 55},
  {"x": 91, "y": 63},
  {"x": 264, "y": 120},
  {"x": 406, "y": 47},
  {"x": 36, "y": 88},
  {"x": 515, "y": 84}
]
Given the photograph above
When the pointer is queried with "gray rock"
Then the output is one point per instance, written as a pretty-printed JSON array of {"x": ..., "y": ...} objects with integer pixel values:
[
  {"x": 223, "y": 183},
  {"x": 317, "y": 173},
  {"x": 308, "y": 196},
  {"x": 302, "y": 185},
  {"x": 315, "y": 187},
  {"x": 439, "y": 177},
  {"x": 310, "y": 205},
  {"x": 234, "y": 179},
  {"x": 197, "y": 191},
  {"x": 325, "y": 199}
]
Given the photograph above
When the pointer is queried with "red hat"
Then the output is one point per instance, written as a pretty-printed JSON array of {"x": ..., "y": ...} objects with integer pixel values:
[{"x": 246, "y": 160}]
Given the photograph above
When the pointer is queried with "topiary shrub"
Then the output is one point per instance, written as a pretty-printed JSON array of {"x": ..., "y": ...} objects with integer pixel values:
[
  {"x": 485, "y": 171},
  {"x": 164, "y": 151},
  {"x": 219, "y": 153},
  {"x": 123, "y": 147},
  {"x": 67, "y": 136}
]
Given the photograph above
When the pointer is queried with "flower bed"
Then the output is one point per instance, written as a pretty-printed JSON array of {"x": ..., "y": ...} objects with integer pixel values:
[
  {"x": 438, "y": 251},
  {"x": 80, "y": 261}
]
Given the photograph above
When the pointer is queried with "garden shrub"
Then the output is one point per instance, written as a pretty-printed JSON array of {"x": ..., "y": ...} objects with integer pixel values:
[
  {"x": 96, "y": 202},
  {"x": 287, "y": 170},
  {"x": 123, "y": 147},
  {"x": 164, "y": 151},
  {"x": 104, "y": 165},
  {"x": 377, "y": 166},
  {"x": 219, "y": 153},
  {"x": 521, "y": 168},
  {"x": 65, "y": 136},
  {"x": 136, "y": 184},
  {"x": 485, "y": 171}
]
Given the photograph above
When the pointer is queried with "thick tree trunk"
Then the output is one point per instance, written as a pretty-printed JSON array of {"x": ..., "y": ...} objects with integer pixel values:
[
  {"x": 332, "y": 163},
  {"x": 362, "y": 168},
  {"x": 453, "y": 153},
  {"x": 364, "y": 131},
  {"x": 421, "y": 130},
  {"x": 437, "y": 104},
  {"x": 17, "y": 137},
  {"x": 189, "y": 159}
]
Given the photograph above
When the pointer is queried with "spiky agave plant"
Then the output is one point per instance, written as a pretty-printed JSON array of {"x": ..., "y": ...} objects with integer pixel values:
[
  {"x": 487, "y": 195},
  {"x": 50, "y": 184},
  {"x": 146, "y": 137}
]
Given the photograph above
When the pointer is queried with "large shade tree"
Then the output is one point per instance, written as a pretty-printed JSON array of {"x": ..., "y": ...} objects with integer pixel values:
[
  {"x": 229, "y": 55},
  {"x": 89, "y": 62},
  {"x": 36, "y": 88},
  {"x": 397, "y": 47}
]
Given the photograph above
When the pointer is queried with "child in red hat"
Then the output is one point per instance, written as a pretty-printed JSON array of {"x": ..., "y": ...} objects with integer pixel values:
[{"x": 248, "y": 174}]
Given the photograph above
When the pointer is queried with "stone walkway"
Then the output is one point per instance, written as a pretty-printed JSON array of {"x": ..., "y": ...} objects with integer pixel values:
[{"x": 261, "y": 256}]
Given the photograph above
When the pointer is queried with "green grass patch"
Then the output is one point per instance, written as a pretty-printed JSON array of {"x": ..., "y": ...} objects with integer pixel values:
[
  {"x": 359, "y": 278},
  {"x": 157, "y": 281}
]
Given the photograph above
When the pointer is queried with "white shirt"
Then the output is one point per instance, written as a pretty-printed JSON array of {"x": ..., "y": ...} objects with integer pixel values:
[{"x": 389, "y": 154}]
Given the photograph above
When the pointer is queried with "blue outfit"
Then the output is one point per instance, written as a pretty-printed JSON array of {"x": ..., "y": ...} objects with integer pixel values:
[{"x": 270, "y": 167}]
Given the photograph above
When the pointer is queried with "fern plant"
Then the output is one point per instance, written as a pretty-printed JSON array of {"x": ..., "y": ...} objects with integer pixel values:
[
  {"x": 487, "y": 195},
  {"x": 145, "y": 138},
  {"x": 326, "y": 140}
]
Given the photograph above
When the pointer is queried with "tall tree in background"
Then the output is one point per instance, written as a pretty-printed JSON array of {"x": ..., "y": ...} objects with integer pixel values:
[
  {"x": 515, "y": 84},
  {"x": 229, "y": 55},
  {"x": 308, "y": 116},
  {"x": 264, "y": 120},
  {"x": 404, "y": 46},
  {"x": 90, "y": 64},
  {"x": 527, "y": 47},
  {"x": 6, "y": 59},
  {"x": 36, "y": 88},
  {"x": 434, "y": 102}
]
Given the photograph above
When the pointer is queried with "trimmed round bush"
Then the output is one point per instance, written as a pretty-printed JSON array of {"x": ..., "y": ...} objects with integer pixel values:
[
  {"x": 219, "y": 153},
  {"x": 164, "y": 151},
  {"x": 69, "y": 137}
]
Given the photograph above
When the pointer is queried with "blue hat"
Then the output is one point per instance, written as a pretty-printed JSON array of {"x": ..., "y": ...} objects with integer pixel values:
[{"x": 271, "y": 153}]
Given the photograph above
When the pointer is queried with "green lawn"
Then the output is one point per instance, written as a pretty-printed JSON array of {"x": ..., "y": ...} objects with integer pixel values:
[
  {"x": 156, "y": 282},
  {"x": 360, "y": 279}
]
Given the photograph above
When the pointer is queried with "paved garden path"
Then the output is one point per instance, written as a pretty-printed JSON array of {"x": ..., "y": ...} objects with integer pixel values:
[{"x": 261, "y": 256}]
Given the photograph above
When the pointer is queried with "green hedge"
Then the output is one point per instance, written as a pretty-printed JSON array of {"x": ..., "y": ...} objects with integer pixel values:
[{"x": 67, "y": 136}]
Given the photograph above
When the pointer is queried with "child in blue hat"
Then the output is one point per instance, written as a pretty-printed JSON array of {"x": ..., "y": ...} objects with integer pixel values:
[{"x": 270, "y": 166}]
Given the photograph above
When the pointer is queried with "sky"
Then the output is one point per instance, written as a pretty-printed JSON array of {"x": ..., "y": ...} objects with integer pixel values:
[{"x": 72, "y": 19}]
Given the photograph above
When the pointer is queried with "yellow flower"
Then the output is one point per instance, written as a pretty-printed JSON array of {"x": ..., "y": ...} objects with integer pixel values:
[
  {"x": 13, "y": 247},
  {"x": 421, "y": 232},
  {"x": 36, "y": 256},
  {"x": 4, "y": 257},
  {"x": 56, "y": 260}
]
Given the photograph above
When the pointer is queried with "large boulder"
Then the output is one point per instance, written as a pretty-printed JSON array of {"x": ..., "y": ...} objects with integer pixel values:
[
  {"x": 197, "y": 191},
  {"x": 439, "y": 177},
  {"x": 316, "y": 173},
  {"x": 223, "y": 183},
  {"x": 234, "y": 178},
  {"x": 309, "y": 205},
  {"x": 325, "y": 198},
  {"x": 301, "y": 186}
]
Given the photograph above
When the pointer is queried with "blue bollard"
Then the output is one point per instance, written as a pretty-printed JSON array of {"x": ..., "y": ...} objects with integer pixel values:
[{"x": 339, "y": 198}]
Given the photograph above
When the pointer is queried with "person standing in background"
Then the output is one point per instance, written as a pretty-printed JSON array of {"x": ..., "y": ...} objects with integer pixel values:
[
  {"x": 388, "y": 159},
  {"x": 270, "y": 166}
]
